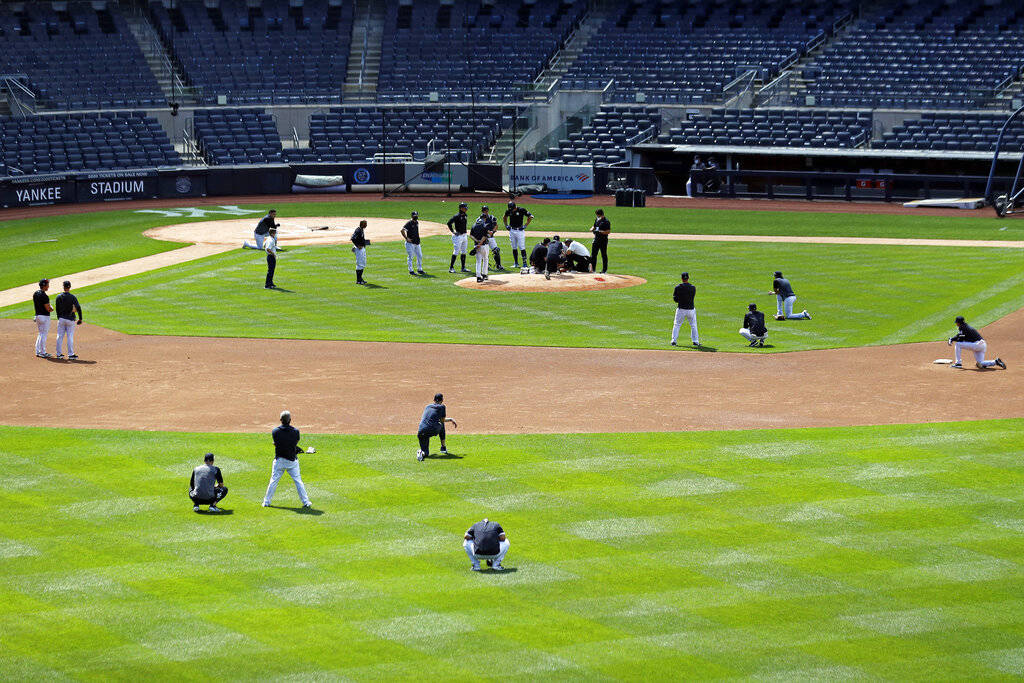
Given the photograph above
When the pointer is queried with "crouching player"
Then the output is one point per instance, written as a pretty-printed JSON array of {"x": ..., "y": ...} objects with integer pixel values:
[
  {"x": 754, "y": 330},
  {"x": 206, "y": 487},
  {"x": 432, "y": 424},
  {"x": 539, "y": 255},
  {"x": 577, "y": 256}
]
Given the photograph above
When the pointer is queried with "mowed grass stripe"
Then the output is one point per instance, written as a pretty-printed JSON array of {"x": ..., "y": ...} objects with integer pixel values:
[
  {"x": 871, "y": 552},
  {"x": 858, "y": 295}
]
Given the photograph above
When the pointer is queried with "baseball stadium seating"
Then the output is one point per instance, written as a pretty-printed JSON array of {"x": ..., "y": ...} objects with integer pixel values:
[
  {"x": 688, "y": 53},
  {"x": 272, "y": 53},
  {"x": 237, "y": 136},
  {"x": 84, "y": 141},
  {"x": 76, "y": 58},
  {"x": 937, "y": 56},
  {"x": 358, "y": 134},
  {"x": 611, "y": 130},
  {"x": 963, "y": 132},
  {"x": 774, "y": 127},
  {"x": 468, "y": 50}
]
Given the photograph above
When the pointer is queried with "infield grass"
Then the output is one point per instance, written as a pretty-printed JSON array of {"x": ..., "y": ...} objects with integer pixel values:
[
  {"x": 878, "y": 552},
  {"x": 858, "y": 295},
  {"x": 89, "y": 240}
]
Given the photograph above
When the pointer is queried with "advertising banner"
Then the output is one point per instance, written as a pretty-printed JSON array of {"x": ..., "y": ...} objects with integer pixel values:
[
  {"x": 557, "y": 177},
  {"x": 37, "y": 191},
  {"x": 117, "y": 186}
]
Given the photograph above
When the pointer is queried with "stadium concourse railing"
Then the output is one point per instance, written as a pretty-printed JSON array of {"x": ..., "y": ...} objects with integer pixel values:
[{"x": 848, "y": 186}]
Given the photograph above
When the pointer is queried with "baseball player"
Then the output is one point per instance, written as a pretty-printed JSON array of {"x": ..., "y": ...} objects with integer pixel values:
[
  {"x": 270, "y": 246},
  {"x": 683, "y": 296},
  {"x": 754, "y": 330},
  {"x": 262, "y": 230},
  {"x": 539, "y": 255},
  {"x": 42, "y": 307},
  {"x": 411, "y": 235},
  {"x": 206, "y": 487},
  {"x": 553, "y": 258},
  {"x": 486, "y": 540},
  {"x": 360, "y": 243},
  {"x": 67, "y": 306},
  {"x": 513, "y": 220},
  {"x": 480, "y": 234},
  {"x": 457, "y": 226},
  {"x": 969, "y": 338},
  {"x": 432, "y": 424},
  {"x": 602, "y": 228},
  {"x": 492, "y": 227},
  {"x": 785, "y": 298},
  {"x": 286, "y": 459},
  {"x": 577, "y": 257}
]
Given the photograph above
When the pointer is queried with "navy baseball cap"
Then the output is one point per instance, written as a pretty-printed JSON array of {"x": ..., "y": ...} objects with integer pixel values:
[
  {"x": 778, "y": 273},
  {"x": 960, "y": 319},
  {"x": 415, "y": 214},
  {"x": 463, "y": 205},
  {"x": 686, "y": 276},
  {"x": 511, "y": 205}
]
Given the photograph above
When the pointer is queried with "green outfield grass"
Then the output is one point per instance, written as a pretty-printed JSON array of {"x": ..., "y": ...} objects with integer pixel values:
[
  {"x": 876, "y": 552},
  {"x": 95, "y": 239},
  {"x": 857, "y": 295}
]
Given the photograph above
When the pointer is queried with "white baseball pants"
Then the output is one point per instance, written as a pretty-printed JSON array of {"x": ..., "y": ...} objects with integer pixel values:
[
  {"x": 66, "y": 330},
  {"x": 978, "y": 347},
  {"x": 43, "y": 325},
  {"x": 460, "y": 244},
  {"x": 292, "y": 468},
  {"x": 470, "y": 547},
  {"x": 681, "y": 315},
  {"x": 481, "y": 259},
  {"x": 259, "y": 241},
  {"x": 414, "y": 251},
  {"x": 517, "y": 238},
  {"x": 750, "y": 336},
  {"x": 360, "y": 258},
  {"x": 492, "y": 243},
  {"x": 785, "y": 307}
]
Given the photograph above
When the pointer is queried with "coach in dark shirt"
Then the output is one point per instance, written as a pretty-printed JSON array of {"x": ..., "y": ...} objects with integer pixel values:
[
  {"x": 539, "y": 255},
  {"x": 206, "y": 487},
  {"x": 432, "y": 424},
  {"x": 602, "y": 228},
  {"x": 553, "y": 257},
  {"x": 754, "y": 330},
  {"x": 286, "y": 451},
  {"x": 683, "y": 296},
  {"x": 486, "y": 540}
]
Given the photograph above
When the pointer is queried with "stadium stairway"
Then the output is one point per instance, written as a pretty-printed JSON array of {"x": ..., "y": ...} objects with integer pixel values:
[
  {"x": 367, "y": 36},
  {"x": 502, "y": 148},
  {"x": 572, "y": 49},
  {"x": 167, "y": 74}
]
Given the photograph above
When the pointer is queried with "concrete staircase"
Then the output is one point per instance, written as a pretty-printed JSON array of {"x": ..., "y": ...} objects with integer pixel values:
[
  {"x": 572, "y": 49},
  {"x": 502, "y": 148},
  {"x": 167, "y": 74},
  {"x": 365, "y": 53}
]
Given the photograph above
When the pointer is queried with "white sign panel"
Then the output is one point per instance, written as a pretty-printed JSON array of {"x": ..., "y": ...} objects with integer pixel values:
[{"x": 558, "y": 177}]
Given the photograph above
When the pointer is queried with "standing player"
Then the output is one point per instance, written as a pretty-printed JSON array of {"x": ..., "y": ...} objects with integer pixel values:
[
  {"x": 480, "y": 235},
  {"x": 457, "y": 226},
  {"x": 683, "y": 296},
  {"x": 286, "y": 452},
  {"x": 262, "y": 230},
  {"x": 785, "y": 299},
  {"x": 513, "y": 219},
  {"x": 360, "y": 243},
  {"x": 270, "y": 246},
  {"x": 432, "y": 424},
  {"x": 492, "y": 227},
  {"x": 411, "y": 235},
  {"x": 42, "y": 307},
  {"x": 602, "y": 228},
  {"x": 67, "y": 306},
  {"x": 969, "y": 338},
  {"x": 754, "y": 330}
]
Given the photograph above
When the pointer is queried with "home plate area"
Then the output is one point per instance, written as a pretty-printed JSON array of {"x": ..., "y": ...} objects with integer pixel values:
[{"x": 561, "y": 282}]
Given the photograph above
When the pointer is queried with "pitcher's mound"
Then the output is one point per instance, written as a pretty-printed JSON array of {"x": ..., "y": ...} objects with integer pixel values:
[{"x": 565, "y": 282}]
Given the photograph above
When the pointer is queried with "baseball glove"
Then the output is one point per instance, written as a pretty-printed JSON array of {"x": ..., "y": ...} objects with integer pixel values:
[
  {"x": 472, "y": 252},
  {"x": 353, "y": 250}
]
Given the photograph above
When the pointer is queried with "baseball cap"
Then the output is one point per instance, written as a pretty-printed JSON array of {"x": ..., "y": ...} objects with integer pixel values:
[
  {"x": 556, "y": 238},
  {"x": 463, "y": 205},
  {"x": 778, "y": 273},
  {"x": 45, "y": 281},
  {"x": 208, "y": 457},
  {"x": 67, "y": 283},
  {"x": 415, "y": 214},
  {"x": 960, "y": 319},
  {"x": 686, "y": 276},
  {"x": 752, "y": 307},
  {"x": 511, "y": 205},
  {"x": 483, "y": 208}
]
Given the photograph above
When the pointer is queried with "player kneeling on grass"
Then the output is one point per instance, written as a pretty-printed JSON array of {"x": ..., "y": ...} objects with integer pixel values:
[
  {"x": 754, "y": 330},
  {"x": 486, "y": 540},
  {"x": 539, "y": 256},
  {"x": 969, "y": 338},
  {"x": 432, "y": 424},
  {"x": 206, "y": 487},
  {"x": 577, "y": 256}
]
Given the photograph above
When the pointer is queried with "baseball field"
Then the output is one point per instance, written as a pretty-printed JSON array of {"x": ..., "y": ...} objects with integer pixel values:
[{"x": 834, "y": 505}]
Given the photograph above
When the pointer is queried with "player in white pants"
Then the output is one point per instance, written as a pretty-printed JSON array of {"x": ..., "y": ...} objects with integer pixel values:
[
  {"x": 685, "y": 310},
  {"x": 457, "y": 226},
  {"x": 785, "y": 298},
  {"x": 413, "y": 250},
  {"x": 969, "y": 338},
  {"x": 67, "y": 307},
  {"x": 42, "y": 307},
  {"x": 286, "y": 452},
  {"x": 259, "y": 235},
  {"x": 480, "y": 234}
]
